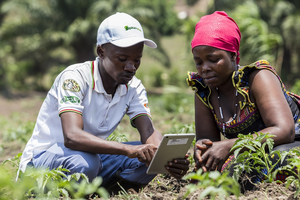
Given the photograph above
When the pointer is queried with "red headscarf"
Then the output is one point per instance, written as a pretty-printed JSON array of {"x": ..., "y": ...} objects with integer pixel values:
[{"x": 219, "y": 31}]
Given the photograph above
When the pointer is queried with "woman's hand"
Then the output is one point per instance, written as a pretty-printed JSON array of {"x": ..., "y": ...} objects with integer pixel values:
[
  {"x": 201, "y": 147},
  {"x": 214, "y": 155},
  {"x": 178, "y": 167}
]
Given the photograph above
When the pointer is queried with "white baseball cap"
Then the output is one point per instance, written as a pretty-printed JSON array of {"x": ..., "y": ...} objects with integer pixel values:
[{"x": 122, "y": 30}]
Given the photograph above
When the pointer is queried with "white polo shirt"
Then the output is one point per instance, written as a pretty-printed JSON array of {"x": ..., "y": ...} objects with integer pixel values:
[{"x": 79, "y": 89}]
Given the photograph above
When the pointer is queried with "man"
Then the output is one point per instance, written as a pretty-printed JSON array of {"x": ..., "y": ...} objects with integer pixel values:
[{"x": 87, "y": 102}]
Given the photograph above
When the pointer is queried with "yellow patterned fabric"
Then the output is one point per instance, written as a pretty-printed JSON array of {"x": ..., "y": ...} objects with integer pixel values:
[{"x": 249, "y": 120}]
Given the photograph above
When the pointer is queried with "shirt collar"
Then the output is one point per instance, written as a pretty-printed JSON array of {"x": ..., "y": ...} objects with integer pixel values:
[{"x": 97, "y": 81}]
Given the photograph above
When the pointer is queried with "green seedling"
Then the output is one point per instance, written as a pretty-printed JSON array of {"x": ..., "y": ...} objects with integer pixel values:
[
  {"x": 293, "y": 168},
  {"x": 251, "y": 153},
  {"x": 46, "y": 184},
  {"x": 214, "y": 185},
  {"x": 13, "y": 162},
  {"x": 55, "y": 183}
]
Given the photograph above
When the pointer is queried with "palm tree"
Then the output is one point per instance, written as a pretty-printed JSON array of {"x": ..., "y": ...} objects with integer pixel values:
[
  {"x": 47, "y": 33},
  {"x": 270, "y": 30}
]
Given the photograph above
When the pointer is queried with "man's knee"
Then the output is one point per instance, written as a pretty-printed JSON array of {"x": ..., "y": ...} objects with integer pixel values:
[
  {"x": 86, "y": 163},
  {"x": 74, "y": 161}
]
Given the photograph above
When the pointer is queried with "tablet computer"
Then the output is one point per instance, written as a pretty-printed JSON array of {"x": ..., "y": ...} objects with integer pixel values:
[{"x": 172, "y": 146}]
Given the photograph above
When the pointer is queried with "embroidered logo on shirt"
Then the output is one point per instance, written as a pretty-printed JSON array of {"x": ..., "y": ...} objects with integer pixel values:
[
  {"x": 71, "y": 85},
  {"x": 71, "y": 99}
]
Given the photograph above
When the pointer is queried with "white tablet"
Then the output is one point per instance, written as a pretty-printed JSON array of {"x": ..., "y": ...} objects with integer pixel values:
[{"x": 172, "y": 146}]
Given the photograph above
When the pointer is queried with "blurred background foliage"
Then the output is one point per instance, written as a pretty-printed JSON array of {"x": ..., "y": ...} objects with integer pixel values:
[{"x": 39, "y": 38}]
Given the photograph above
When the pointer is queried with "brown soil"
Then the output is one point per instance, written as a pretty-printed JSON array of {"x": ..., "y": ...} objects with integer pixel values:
[{"x": 162, "y": 187}]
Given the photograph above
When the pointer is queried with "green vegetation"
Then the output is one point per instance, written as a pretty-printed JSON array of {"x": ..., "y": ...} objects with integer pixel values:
[
  {"x": 250, "y": 154},
  {"x": 293, "y": 168},
  {"x": 46, "y": 184},
  {"x": 39, "y": 38},
  {"x": 257, "y": 156},
  {"x": 214, "y": 184}
]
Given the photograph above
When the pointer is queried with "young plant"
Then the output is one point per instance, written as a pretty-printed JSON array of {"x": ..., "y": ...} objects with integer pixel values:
[
  {"x": 215, "y": 185},
  {"x": 293, "y": 168},
  {"x": 55, "y": 183},
  {"x": 44, "y": 183},
  {"x": 251, "y": 153},
  {"x": 13, "y": 162},
  {"x": 123, "y": 194},
  {"x": 118, "y": 136}
]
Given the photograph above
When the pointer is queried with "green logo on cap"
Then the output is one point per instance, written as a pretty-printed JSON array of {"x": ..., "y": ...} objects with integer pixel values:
[{"x": 127, "y": 28}]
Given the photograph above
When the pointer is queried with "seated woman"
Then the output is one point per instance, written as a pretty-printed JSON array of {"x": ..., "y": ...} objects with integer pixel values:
[{"x": 232, "y": 99}]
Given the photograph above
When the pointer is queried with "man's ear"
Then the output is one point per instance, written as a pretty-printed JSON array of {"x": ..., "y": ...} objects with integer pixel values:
[{"x": 100, "y": 51}]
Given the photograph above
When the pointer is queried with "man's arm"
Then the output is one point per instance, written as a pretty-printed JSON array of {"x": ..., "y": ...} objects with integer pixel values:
[
  {"x": 78, "y": 139},
  {"x": 149, "y": 135}
]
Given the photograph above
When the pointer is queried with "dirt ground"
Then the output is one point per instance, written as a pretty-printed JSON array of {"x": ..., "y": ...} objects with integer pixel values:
[
  {"x": 162, "y": 187},
  {"x": 166, "y": 188}
]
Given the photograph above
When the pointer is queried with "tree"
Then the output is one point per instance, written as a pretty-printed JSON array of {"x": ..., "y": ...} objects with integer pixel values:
[
  {"x": 3, "y": 82},
  {"x": 43, "y": 34},
  {"x": 270, "y": 30}
]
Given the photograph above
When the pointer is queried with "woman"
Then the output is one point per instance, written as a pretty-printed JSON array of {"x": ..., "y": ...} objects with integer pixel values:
[{"x": 232, "y": 99}]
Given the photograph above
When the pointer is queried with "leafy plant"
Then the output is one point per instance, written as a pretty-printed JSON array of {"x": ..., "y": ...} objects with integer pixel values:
[
  {"x": 9, "y": 188},
  {"x": 14, "y": 162},
  {"x": 293, "y": 168},
  {"x": 181, "y": 128},
  {"x": 45, "y": 183},
  {"x": 256, "y": 155},
  {"x": 55, "y": 183},
  {"x": 214, "y": 184},
  {"x": 118, "y": 137}
]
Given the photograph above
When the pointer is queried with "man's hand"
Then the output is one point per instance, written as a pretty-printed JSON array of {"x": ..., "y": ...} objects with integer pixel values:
[
  {"x": 144, "y": 152},
  {"x": 178, "y": 167}
]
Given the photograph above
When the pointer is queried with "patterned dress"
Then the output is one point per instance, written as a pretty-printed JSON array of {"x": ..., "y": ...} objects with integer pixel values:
[{"x": 249, "y": 119}]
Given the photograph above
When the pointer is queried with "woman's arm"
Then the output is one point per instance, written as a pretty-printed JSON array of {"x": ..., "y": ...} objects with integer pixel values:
[
  {"x": 205, "y": 124},
  {"x": 266, "y": 92},
  {"x": 207, "y": 134}
]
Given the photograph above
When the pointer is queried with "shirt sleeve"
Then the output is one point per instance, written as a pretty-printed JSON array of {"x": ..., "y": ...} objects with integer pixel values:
[
  {"x": 139, "y": 103},
  {"x": 70, "y": 92}
]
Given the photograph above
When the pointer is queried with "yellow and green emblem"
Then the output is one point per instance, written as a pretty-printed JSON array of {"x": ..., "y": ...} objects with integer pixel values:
[{"x": 71, "y": 85}]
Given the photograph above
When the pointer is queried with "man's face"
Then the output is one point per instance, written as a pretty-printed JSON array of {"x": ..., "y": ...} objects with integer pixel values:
[{"x": 120, "y": 63}]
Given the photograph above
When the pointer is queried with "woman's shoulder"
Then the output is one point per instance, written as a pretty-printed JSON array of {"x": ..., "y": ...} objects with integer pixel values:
[
  {"x": 244, "y": 74},
  {"x": 260, "y": 64},
  {"x": 193, "y": 76},
  {"x": 195, "y": 81}
]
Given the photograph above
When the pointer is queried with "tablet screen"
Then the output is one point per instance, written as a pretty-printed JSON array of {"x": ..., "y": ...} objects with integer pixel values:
[{"x": 172, "y": 146}]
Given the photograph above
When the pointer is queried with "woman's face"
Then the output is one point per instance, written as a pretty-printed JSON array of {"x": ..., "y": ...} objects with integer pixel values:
[{"x": 214, "y": 65}]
